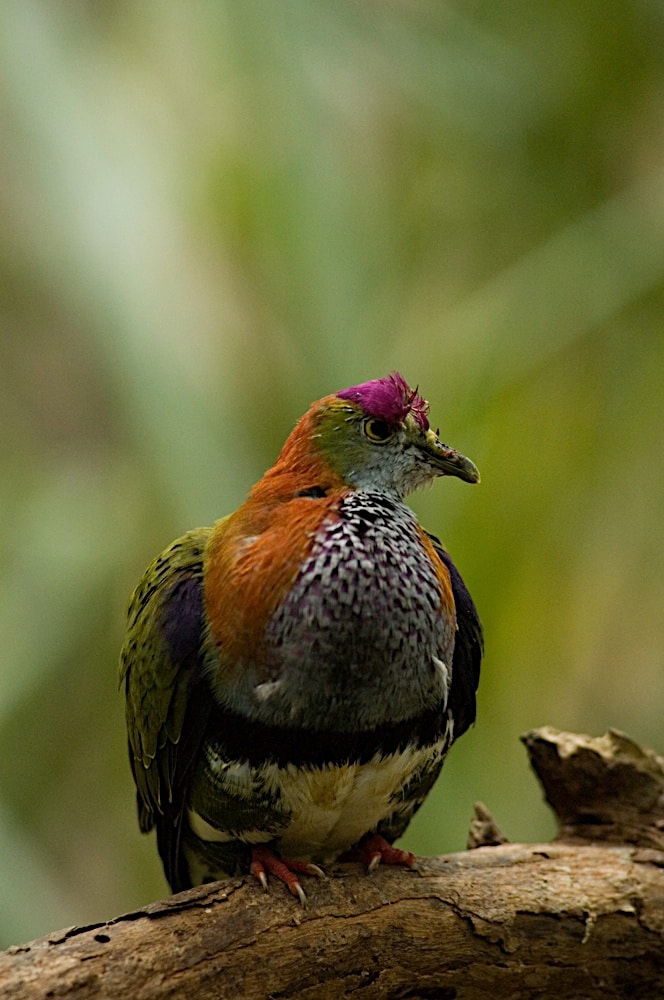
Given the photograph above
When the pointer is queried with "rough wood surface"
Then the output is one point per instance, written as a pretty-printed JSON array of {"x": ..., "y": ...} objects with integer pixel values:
[
  {"x": 604, "y": 788},
  {"x": 577, "y": 918}
]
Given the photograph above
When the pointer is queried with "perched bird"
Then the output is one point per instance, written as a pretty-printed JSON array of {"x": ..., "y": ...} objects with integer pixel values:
[{"x": 296, "y": 673}]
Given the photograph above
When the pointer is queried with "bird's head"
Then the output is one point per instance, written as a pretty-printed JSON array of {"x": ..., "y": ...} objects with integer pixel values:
[{"x": 377, "y": 436}]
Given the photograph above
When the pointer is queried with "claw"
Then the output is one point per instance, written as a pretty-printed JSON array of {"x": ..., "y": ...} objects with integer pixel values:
[
  {"x": 299, "y": 891},
  {"x": 257, "y": 870},
  {"x": 307, "y": 867},
  {"x": 264, "y": 860},
  {"x": 374, "y": 862}
]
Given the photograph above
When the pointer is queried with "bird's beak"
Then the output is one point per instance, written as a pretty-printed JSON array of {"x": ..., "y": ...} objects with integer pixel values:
[{"x": 446, "y": 461}]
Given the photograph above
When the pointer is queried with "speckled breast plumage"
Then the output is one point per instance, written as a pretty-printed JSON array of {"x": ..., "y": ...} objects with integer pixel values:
[{"x": 365, "y": 611}]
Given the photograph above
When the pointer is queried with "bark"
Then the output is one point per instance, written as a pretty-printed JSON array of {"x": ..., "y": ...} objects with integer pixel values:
[{"x": 581, "y": 917}]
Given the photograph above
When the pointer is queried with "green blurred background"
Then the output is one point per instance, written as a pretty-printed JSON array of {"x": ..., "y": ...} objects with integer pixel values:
[{"x": 214, "y": 213}]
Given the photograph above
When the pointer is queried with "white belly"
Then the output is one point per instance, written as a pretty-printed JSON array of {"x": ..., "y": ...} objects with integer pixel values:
[{"x": 332, "y": 807}]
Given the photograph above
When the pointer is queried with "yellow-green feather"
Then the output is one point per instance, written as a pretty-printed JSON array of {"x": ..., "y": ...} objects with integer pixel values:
[{"x": 157, "y": 682}]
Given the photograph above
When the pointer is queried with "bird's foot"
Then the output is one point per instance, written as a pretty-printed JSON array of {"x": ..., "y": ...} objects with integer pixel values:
[
  {"x": 375, "y": 850},
  {"x": 264, "y": 860}
]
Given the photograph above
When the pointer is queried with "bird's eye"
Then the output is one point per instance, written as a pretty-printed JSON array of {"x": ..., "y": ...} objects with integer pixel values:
[{"x": 378, "y": 431}]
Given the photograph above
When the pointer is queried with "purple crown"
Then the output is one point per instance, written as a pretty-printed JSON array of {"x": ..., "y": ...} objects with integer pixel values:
[{"x": 389, "y": 399}]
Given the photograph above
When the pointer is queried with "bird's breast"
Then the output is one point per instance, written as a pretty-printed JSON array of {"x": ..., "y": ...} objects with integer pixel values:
[{"x": 365, "y": 633}]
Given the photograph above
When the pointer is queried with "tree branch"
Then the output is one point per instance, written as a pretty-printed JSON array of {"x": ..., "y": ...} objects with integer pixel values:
[{"x": 580, "y": 917}]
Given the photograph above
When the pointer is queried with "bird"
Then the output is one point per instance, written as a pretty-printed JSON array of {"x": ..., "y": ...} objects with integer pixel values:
[{"x": 295, "y": 674}]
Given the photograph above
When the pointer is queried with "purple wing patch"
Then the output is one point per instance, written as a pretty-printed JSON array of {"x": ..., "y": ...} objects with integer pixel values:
[
  {"x": 389, "y": 399},
  {"x": 182, "y": 617}
]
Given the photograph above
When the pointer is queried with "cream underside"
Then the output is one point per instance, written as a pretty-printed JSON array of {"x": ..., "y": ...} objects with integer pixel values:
[{"x": 332, "y": 807}]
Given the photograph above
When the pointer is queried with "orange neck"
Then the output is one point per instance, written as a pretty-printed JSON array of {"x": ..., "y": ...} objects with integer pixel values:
[{"x": 253, "y": 557}]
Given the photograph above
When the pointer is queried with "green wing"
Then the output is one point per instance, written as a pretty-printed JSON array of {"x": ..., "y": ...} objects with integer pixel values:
[{"x": 167, "y": 698}]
